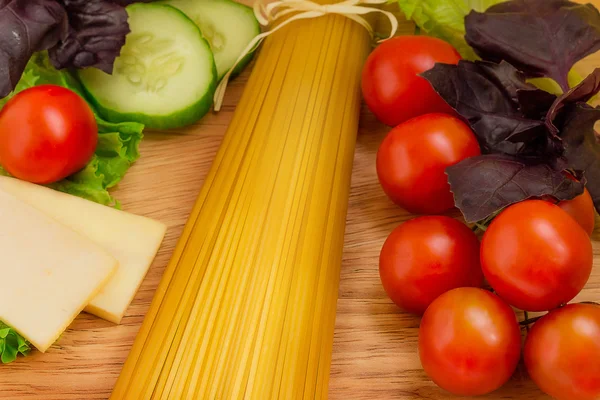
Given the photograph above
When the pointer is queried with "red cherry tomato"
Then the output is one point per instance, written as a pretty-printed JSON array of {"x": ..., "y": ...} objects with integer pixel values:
[
  {"x": 469, "y": 342},
  {"x": 562, "y": 353},
  {"x": 426, "y": 257},
  {"x": 536, "y": 256},
  {"x": 413, "y": 157},
  {"x": 47, "y": 133},
  {"x": 581, "y": 208},
  {"x": 390, "y": 83}
]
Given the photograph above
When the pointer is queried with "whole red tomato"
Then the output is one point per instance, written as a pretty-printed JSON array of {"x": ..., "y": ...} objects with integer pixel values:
[
  {"x": 428, "y": 256},
  {"x": 581, "y": 208},
  {"x": 562, "y": 353},
  {"x": 390, "y": 83},
  {"x": 535, "y": 256},
  {"x": 413, "y": 157},
  {"x": 469, "y": 342},
  {"x": 47, "y": 133}
]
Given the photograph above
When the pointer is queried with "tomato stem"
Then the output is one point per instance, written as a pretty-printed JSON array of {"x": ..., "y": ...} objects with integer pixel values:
[
  {"x": 481, "y": 227},
  {"x": 484, "y": 223},
  {"x": 529, "y": 321},
  {"x": 526, "y": 316}
]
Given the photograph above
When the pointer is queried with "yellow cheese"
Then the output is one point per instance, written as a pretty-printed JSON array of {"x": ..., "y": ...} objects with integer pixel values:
[
  {"x": 49, "y": 272},
  {"x": 131, "y": 239}
]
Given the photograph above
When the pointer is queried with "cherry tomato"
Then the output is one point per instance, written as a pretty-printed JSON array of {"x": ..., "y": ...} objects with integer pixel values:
[
  {"x": 581, "y": 208},
  {"x": 47, "y": 133},
  {"x": 413, "y": 157},
  {"x": 562, "y": 352},
  {"x": 426, "y": 257},
  {"x": 469, "y": 341},
  {"x": 536, "y": 256},
  {"x": 390, "y": 83}
]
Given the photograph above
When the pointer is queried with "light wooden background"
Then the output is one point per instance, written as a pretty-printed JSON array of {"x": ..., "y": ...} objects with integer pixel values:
[{"x": 375, "y": 351}]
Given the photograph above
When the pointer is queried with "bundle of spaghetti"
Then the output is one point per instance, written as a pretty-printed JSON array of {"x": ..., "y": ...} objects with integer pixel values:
[{"x": 246, "y": 307}]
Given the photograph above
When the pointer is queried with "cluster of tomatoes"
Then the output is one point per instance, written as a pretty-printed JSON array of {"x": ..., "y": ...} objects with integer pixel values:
[{"x": 536, "y": 255}]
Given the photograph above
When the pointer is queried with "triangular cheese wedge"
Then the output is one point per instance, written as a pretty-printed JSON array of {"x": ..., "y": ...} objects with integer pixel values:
[
  {"x": 49, "y": 272},
  {"x": 131, "y": 239}
]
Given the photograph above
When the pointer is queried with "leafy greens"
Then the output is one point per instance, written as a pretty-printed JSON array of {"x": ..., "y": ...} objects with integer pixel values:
[
  {"x": 532, "y": 141},
  {"x": 582, "y": 144},
  {"x": 489, "y": 182},
  {"x": 487, "y": 95},
  {"x": 445, "y": 19},
  {"x": 118, "y": 143},
  {"x": 76, "y": 33},
  {"x": 11, "y": 344},
  {"x": 512, "y": 32}
]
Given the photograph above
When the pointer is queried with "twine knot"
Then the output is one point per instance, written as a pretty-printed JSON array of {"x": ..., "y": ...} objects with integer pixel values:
[{"x": 269, "y": 14}]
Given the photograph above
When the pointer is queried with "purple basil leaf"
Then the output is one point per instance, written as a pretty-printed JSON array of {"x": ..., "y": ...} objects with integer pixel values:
[
  {"x": 539, "y": 37},
  {"x": 97, "y": 30},
  {"x": 582, "y": 145},
  {"x": 505, "y": 76},
  {"x": 485, "y": 96},
  {"x": 26, "y": 26},
  {"x": 535, "y": 103},
  {"x": 583, "y": 92},
  {"x": 485, "y": 184}
]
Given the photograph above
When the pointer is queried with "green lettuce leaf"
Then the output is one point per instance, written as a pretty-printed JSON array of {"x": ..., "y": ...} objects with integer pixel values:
[
  {"x": 118, "y": 143},
  {"x": 445, "y": 19},
  {"x": 11, "y": 344}
]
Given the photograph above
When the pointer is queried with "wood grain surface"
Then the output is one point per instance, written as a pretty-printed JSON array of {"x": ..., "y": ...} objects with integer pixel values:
[{"x": 375, "y": 347}]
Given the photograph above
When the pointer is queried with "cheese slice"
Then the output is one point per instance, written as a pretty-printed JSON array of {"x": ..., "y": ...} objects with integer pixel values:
[
  {"x": 131, "y": 239},
  {"x": 49, "y": 272}
]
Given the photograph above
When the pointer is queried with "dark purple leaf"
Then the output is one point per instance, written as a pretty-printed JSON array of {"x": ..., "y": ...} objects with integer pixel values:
[
  {"x": 535, "y": 103},
  {"x": 485, "y": 95},
  {"x": 582, "y": 145},
  {"x": 583, "y": 92},
  {"x": 539, "y": 37},
  {"x": 97, "y": 30},
  {"x": 485, "y": 184},
  {"x": 26, "y": 26},
  {"x": 505, "y": 76}
]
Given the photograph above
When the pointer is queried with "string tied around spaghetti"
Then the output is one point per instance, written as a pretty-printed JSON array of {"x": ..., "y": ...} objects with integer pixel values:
[{"x": 268, "y": 14}]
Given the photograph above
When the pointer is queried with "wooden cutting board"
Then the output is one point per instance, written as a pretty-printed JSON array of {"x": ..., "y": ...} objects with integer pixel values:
[{"x": 375, "y": 348}]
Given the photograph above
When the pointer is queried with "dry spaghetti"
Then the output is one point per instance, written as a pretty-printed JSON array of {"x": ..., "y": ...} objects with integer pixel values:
[{"x": 246, "y": 307}]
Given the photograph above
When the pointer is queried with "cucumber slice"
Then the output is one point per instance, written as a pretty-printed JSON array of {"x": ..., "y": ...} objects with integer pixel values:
[
  {"x": 165, "y": 77},
  {"x": 228, "y": 26}
]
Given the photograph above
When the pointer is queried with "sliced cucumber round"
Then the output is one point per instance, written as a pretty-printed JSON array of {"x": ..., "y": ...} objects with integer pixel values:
[
  {"x": 165, "y": 76},
  {"x": 228, "y": 26}
]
